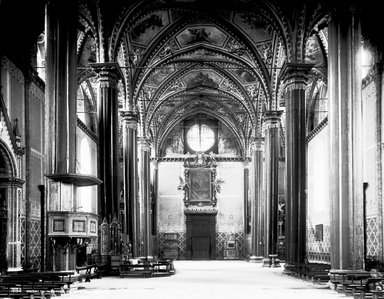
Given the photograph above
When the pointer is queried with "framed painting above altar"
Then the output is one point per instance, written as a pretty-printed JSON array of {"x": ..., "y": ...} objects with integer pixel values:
[{"x": 201, "y": 184}]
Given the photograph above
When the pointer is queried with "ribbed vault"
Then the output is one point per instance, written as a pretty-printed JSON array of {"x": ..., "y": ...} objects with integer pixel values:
[{"x": 181, "y": 58}]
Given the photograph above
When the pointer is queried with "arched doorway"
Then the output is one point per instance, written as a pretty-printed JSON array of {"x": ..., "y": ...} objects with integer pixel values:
[{"x": 10, "y": 207}]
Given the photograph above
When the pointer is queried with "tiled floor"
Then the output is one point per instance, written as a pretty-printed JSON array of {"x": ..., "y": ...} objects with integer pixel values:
[{"x": 206, "y": 279}]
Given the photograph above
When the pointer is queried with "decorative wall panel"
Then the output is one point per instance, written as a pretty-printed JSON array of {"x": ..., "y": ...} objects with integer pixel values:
[
  {"x": 181, "y": 243},
  {"x": 318, "y": 251},
  {"x": 34, "y": 241},
  {"x": 221, "y": 240},
  {"x": 373, "y": 237}
]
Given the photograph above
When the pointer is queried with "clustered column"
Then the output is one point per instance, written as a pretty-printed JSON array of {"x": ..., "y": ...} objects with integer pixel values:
[
  {"x": 272, "y": 146},
  {"x": 295, "y": 77},
  {"x": 108, "y": 160},
  {"x": 345, "y": 130},
  {"x": 257, "y": 211},
  {"x": 145, "y": 195},
  {"x": 130, "y": 179}
]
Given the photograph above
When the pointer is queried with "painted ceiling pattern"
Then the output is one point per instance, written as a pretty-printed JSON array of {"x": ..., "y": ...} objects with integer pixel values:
[{"x": 179, "y": 61}]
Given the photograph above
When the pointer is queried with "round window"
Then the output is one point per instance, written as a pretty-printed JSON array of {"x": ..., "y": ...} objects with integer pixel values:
[{"x": 200, "y": 137}]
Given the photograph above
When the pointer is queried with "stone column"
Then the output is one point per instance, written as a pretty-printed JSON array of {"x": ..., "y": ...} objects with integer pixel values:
[
  {"x": 257, "y": 212},
  {"x": 272, "y": 146},
  {"x": 145, "y": 195},
  {"x": 108, "y": 158},
  {"x": 61, "y": 123},
  {"x": 246, "y": 195},
  {"x": 345, "y": 131},
  {"x": 154, "y": 211},
  {"x": 295, "y": 77},
  {"x": 61, "y": 85},
  {"x": 130, "y": 179}
]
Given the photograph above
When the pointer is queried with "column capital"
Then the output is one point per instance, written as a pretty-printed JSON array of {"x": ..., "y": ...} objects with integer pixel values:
[
  {"x": 108, "y": 73},
  {"x": 257, "y": 144},
  {"x": 144, "y": 143},
  {"x": 295, "y": 75},
  {"x": 272, "y": 118},
  {"x": 130, "y": 119},
  {"x": 155, "y": 162}
]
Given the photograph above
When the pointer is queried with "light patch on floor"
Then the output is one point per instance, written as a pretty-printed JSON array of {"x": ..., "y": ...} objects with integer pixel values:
[{"x": 207, "y": 279}]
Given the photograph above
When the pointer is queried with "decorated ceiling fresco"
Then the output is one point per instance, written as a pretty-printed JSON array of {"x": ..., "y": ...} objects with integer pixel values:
[{"x": 181, "y": 57}]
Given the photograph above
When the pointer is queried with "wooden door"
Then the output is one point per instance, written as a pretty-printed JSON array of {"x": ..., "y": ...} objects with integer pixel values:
[
  {"x": 201, "y": 248},
  {"x": 201, "y": 233}
]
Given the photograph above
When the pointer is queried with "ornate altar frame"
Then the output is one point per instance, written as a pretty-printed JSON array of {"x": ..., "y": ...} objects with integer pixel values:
[{"x": 199, "y": 184}]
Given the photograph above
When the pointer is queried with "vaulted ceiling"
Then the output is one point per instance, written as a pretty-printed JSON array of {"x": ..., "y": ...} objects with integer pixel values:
[{"x": 185, "y": 57}]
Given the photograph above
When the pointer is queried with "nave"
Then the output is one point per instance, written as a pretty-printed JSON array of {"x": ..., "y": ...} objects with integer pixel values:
[{"x": 207, "y": 279}]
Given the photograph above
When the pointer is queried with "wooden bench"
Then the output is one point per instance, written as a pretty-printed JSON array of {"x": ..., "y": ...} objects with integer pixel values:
[
  {"x": 357, "y": 283},
  {"x": 163, "y": 267},
  {"x": 26, "y": 290},
  {"x": 316, "y": 272},
  {"x": 144, "y": 270},
  {"x": 88, "y": 272},
  {"x": 100, "y": 270},
  {"x": 35, "y": 284}
]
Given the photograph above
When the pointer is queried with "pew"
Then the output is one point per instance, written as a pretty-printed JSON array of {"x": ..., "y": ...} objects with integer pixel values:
[
  {"x": 88, "y": 272},
  {"x": 35, "y": 284}
]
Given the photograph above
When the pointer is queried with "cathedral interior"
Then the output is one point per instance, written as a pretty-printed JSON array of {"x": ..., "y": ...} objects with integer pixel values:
[{"x": 191, "y": 130}]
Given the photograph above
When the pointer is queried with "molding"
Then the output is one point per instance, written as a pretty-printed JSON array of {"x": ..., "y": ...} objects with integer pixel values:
[
  {"x": 317, "y": 130},
  {"x": 79, "y": 180},
  {"x": 86, "y": 130},
  {"x": 218, "y": 159},
  {"x": 372, "y": 76},
  {"x": 200, "y": 210}
]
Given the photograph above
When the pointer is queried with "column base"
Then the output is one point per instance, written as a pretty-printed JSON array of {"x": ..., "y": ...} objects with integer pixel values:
[
  {"x": 275, "y": 262},
  {"x": 289, "y": 269},
  {"x": 255, "y": 259},
  {"x": 272, "y": 261},
  {"x": 266, "y": 262}
]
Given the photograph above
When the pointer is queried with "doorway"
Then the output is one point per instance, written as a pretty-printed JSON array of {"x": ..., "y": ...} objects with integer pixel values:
[
  {"x": 201, "y": 243},
  {"x": 201, "y": 248}
]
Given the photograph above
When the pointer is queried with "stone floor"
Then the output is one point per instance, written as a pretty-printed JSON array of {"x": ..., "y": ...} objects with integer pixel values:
[{"x": 206, "y": 279}]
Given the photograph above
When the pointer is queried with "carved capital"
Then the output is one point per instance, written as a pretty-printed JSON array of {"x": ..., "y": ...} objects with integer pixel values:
[
  {"x": 272, "y": 118},
  {"x": 144, "y": 143},
  {"x": 130, "y": 119},
  {"x": 108, "y": 73},
  {"x": 295, "y": 75},
  {"x": 257, "y": 144}
]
